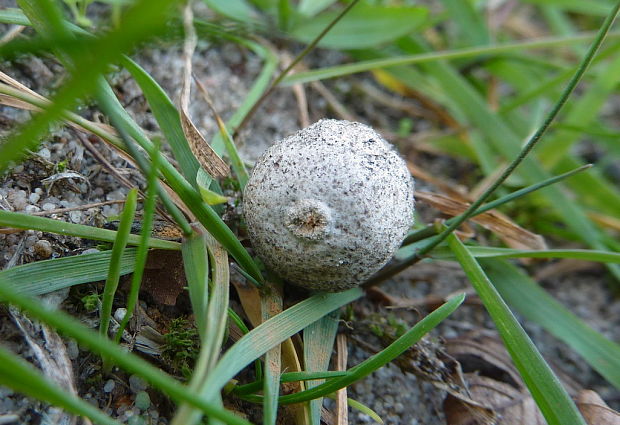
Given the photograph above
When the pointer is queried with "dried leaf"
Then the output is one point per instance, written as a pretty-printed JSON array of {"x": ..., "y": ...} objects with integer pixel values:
[
  {"x": 512, "y": 234},
  {"x": 206, "y": 156},
  {"x": 594, "y": 409}
]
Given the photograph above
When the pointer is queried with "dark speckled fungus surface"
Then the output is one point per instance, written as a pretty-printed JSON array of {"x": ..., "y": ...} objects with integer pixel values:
[{"x": 328, "y": 206}]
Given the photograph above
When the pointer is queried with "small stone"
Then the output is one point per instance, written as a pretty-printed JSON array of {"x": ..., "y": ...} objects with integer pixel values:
[
  {"x": 45, "y": 153},
  {"x": 120, "y": 313},
  {"x": 48, "y": 206},
  {"x": 34, "y": 198},
  {"x": 137, "y": 384},
  {"x": 109, "y": 386},
  {"x": 75, "y": 216},
  {"x": 73, "y": 351},
  {"x": 30, "y": 209},
  {"x": 136, "y": 420},
  {"x": 90, "y": 251},
  {"x": 43, "y": 248},
  {"x": 143, "y": 401}
]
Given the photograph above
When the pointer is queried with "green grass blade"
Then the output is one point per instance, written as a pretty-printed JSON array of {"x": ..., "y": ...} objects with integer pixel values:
[
  {"x": 167, "y": 117},
  {"x": 24, "y": 221},
  {"x": 272, "y": 332},
  {"x": 147, "y": 226},
  {"x": 319, "y": 340},
  {"x": 362, "y": 408},
  {"x": 364, "y": 26},
  {"x": 256, "y": 386},
  {"x": 535, "y": 304},
  {"x": 369, "y": 65},
  {"x": 472, "y": 26},
  {"x": 104, "y": 347},
  {"x": 42, "y": 277},
  {"x": 552, "y": 399},
  {"x": 114, "y": 274},
  {"x": 381, "y": 358},
  {"x": 215, "y": 321},
  {"x": 196, "y": 264},
  {"x": 22, "y": 377},
  {"x": 575, "y": 254},
  {"x": 203, "y": 212}
]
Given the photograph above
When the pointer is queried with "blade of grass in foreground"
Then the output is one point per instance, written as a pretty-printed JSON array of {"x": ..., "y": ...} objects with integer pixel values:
[
  {"x": 42, "y": 277},
  {"x": 22, "y": 377},
  {"x": 552, "y": 399},
  {"x": 25, "y": 221},
  {"x": 149, "y": 206},
  {"x": 101, "y": 345},
  {"x": 272, "y": 332},
  {"x": 381, "y": 358},
  {"x": 535, "y": 304},
  {"x": 120, "y": 243}
]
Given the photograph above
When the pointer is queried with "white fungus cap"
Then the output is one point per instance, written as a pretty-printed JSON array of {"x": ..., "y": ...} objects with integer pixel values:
[{"x": 328, "y": 206}]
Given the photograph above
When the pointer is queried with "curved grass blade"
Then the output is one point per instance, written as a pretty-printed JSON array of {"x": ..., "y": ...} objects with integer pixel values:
[
  {"x": 369, "y": 65},
  {"x": 42, "y": 277},
  {"x": 120, "y": 243},
  {"x": 147, "y": 226},
  {"x": 381, "y": 358},
  {"x": 22, "y": 377},
  {"x": 167, "y": 117},
  {"x": 104, "y": 347},
  {"x": 204, "y": 213},
  {"x": 535, "y": 304},
  {"x": 215, "y": 319},
  {"x": 552, "y": 399},
  {"x": 576, "y": 254},
  {"x": 27, "y": 222}
]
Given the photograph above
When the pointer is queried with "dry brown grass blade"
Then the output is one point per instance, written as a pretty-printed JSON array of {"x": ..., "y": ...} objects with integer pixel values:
[
  {"x": 455, "y": 191},
  {"x": 511, "y": 233},
  {"x": 250, "y": 297},
  {"x": 206, "y": 156},
  {"x": 342, "y": 409}
]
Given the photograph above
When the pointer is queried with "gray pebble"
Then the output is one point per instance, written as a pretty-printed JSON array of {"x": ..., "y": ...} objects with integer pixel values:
[
  {"x": 109, "y": 386},
  {"x": 48, "y": 206},
  {"x": 34, "y": 198},
  {"x": 143, "y": 401},
  {"x": 137, "y": 384}
]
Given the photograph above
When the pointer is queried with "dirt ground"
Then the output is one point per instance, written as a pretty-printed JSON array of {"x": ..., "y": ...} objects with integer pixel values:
[{"x": 398, "y": 396}]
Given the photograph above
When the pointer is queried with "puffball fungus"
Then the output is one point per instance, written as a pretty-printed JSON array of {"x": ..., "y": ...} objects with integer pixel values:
[{"x": 328, "y": 206}]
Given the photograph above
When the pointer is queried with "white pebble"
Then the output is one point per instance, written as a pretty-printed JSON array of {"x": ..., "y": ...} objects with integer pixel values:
[
  {"x": 120, "y": 313},
  {"x": 45, "y": 153},
  {"x": 34, "y": 198},
  {"x": 48, "y": 206}
]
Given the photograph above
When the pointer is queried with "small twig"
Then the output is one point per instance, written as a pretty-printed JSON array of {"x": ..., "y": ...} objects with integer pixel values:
[{"x": 78, "y": 207}]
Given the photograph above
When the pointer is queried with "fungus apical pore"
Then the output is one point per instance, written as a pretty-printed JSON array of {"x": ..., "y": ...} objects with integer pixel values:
[{"x": 328, "y": 206}]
